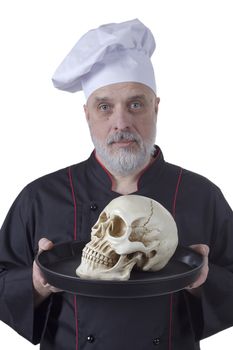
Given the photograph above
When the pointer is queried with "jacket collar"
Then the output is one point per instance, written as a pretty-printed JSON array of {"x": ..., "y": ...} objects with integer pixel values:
[{"x": 149, "y": 175}]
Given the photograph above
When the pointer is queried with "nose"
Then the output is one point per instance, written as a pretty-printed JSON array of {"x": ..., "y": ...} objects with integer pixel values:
[{"x": 122, "y": 120}]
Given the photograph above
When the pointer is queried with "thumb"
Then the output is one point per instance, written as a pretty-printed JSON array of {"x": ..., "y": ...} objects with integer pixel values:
[{"x": 45, "y": 244}]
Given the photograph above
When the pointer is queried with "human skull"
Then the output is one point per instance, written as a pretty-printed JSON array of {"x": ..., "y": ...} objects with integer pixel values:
[{"x": 131, "y": 231}]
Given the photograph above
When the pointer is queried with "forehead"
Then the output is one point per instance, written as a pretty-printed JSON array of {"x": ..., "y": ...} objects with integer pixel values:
[{"x": 121, "y": 91}]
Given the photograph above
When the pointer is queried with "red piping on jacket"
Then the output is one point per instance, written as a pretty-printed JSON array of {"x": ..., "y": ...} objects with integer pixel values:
[
  {"x": 170, "y": 323},
  {"x": 171, "y": 296},
  {"x": 74, "y": 202},
  {"x": 75, "y": 237},
  {"x": 148, "y": 166},
  {"x": 106, "y": 170},
  {"x": 176, "y": 193}
]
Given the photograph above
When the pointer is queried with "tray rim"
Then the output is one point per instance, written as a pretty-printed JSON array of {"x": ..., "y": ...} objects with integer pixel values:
[{"x": 119, "y": 282}]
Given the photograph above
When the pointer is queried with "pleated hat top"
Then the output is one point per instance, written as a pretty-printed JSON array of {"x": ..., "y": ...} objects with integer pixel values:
[{"x": 112, "y": 53}]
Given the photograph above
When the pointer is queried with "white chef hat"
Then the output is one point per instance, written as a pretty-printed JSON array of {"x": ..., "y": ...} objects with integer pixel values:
[{"x": 112, "y": 53}]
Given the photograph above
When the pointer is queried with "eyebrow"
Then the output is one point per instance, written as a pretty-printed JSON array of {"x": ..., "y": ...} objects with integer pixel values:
[
  {"x": 99, "y": 99},
  {"x": 137, "y": 97}
]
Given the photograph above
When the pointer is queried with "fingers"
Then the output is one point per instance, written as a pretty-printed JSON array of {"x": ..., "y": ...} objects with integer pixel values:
[
  {"x": 42, "y": 287},
  {"x": 202, "y": 277},
  {"x": 202, "y": 249},
  {"x": 40, "y": 284},
  {"x": 45, "y": 244},
  {"x": 52, "y": 289}
]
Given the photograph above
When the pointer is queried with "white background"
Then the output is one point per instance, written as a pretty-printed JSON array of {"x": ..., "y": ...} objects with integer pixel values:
[{"x": 42, "y": 129}]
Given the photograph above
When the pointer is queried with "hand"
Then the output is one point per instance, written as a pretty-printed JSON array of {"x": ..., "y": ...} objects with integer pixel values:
[
  {"x": 203, "y": 249},
  {"x": 42, "y": 288}
]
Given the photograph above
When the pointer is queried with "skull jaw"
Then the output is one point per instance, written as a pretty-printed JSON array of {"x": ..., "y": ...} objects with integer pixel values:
[{"x": 120, "y": 271}]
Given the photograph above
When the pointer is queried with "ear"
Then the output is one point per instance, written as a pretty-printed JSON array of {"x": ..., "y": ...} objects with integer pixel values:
[
  {"x": 85, "y": 108},
  {"x": 157, "y": 101}
]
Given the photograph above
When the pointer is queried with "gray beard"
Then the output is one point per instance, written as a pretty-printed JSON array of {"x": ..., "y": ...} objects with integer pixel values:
[{"x": 124, "y": 161}]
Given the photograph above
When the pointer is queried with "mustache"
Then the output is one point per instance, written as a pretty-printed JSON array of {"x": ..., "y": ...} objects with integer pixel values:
[{"x": 123, "y": 136}]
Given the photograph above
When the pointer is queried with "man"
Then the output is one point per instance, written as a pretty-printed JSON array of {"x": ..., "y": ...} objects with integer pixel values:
[{"x": 111, "y": 64}]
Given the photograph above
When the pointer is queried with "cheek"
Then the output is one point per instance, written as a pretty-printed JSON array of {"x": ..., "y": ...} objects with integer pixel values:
[
  {"x": 98, "y": 129},
  {"x": 146, "y": 127}
]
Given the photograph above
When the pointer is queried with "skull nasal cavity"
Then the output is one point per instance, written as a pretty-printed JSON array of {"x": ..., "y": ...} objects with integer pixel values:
[{"x": 116, "y": 227}]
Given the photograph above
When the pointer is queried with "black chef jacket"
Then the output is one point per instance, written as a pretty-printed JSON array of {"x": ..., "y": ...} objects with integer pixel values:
[{"x": 63, "y": 206}]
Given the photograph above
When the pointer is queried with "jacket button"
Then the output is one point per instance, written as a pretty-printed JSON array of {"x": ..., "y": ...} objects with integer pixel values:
[
  {"x": 93, "y": 206},
  {"x": 90, "y": 338},
  {"x": 156, "y": 341}
]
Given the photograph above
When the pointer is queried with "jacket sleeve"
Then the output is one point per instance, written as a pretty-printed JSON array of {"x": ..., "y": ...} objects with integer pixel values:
[
  {"x": 17, "y": 251},
  {"x": 213, "y": 311}
]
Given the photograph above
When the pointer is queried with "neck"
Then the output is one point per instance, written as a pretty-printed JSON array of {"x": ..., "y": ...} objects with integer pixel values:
[
  {"x": 129, "y": 183},
  {"x": 125, "y": 184}
]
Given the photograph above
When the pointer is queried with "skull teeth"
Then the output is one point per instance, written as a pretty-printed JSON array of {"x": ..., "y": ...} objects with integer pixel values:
[{"x": 94, "y": 256}]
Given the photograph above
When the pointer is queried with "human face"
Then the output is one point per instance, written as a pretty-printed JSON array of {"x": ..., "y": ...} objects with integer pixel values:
[{"x": 122, "y": 122}]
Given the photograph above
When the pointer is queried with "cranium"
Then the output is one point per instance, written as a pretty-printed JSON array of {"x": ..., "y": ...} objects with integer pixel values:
[{"x": 131, "y": 231}]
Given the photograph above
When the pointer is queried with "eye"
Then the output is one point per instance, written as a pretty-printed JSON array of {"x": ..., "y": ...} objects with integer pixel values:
[
  {"x": 104, "y": 107},
  {"x": 135, "y": 105}
]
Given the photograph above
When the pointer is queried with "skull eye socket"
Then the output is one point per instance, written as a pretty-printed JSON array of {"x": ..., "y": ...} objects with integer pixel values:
[
  {"x": 98, "y": 227},
  {"x": 116, "y": 227},
  {"x": 102, "y": 218}
]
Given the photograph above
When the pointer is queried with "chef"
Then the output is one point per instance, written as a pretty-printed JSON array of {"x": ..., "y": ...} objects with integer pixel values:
[{"x": 112, "y": 65}]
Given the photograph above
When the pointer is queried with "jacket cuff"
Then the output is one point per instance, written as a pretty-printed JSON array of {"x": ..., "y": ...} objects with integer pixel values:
[{"x": 19, "y": 311}]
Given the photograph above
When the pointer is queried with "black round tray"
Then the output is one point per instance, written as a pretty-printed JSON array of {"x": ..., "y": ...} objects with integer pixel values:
[{"x": 59, "y": 264}]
